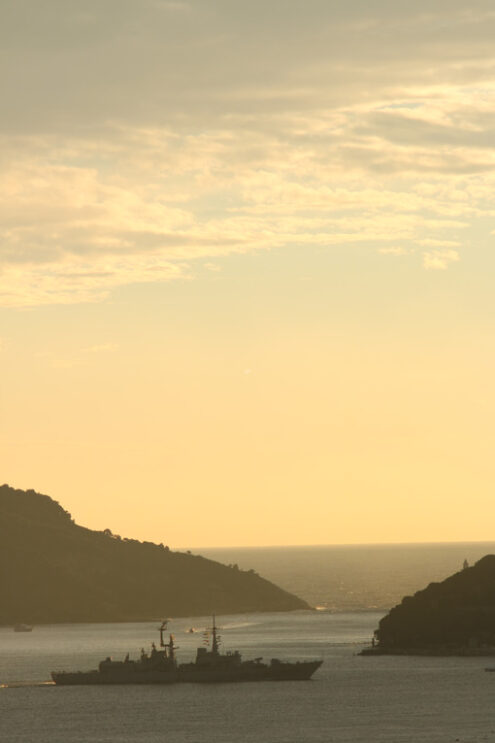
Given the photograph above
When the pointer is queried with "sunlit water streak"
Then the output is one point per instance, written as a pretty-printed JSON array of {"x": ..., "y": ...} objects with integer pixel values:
[{"x": 347, "y": 577}]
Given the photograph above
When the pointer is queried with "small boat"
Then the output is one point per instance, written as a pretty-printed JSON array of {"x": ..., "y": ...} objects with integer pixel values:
[{"x": 23, "y": 628}]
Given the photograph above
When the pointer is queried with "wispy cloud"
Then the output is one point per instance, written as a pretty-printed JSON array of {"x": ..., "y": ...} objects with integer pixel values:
[
  {"x": 439, "y": 260},
  {"x": 187, "y": 131}
]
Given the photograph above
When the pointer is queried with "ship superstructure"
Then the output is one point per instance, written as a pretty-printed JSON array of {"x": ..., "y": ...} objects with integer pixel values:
[
  {"x": 155, "y": 667},
  {"x": 209, "y": 666}
]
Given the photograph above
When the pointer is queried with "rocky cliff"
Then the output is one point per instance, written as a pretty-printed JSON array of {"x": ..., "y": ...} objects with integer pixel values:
[{"x": 456, "y": 616}]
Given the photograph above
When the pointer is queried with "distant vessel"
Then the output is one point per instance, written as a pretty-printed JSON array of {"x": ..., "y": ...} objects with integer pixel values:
[
  {"x": 210, "y": 666},
  {"x": 23, "y": 628}
]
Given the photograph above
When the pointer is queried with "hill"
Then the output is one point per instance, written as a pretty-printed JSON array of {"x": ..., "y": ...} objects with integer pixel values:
[
  {"x": 456, "y": 616},
  {"x": 52, "y": 570}
]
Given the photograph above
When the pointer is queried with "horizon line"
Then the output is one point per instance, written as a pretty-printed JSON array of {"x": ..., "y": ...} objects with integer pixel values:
[{"x": 336, "y": 544}]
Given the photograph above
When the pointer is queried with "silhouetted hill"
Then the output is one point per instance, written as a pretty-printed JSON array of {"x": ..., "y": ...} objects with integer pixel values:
[
  {"x": 455, "y": 616},
  {"x": 52, "y": 570}
]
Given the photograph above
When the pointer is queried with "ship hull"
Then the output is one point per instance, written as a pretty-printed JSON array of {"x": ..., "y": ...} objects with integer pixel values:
[
  {"x": 194, "y": 675},
  {"x": 250, "y": 672}
]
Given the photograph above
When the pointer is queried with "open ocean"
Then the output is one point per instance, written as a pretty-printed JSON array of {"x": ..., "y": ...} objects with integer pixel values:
[
  {"x": 354, "y": 577},
  {"x": 350, "y": 698}
]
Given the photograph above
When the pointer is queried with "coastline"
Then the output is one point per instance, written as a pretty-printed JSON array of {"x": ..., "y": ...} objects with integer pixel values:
[{"x": 431, "y": 652}]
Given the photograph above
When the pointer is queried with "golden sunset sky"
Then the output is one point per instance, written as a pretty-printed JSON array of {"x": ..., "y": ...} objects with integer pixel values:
[{"x": 247, "y": 266}]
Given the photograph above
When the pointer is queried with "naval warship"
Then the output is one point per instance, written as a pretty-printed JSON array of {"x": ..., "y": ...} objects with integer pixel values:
[{"x": 160, "y": 666}]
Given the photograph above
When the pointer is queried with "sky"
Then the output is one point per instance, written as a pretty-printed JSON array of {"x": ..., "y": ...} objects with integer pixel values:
[{"x": 246, "y": 267}]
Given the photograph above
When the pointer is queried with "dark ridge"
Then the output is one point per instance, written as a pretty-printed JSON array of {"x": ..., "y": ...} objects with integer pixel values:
[
  {"x": 52, "y": 570},
  {"x": 456, "y": 616}
]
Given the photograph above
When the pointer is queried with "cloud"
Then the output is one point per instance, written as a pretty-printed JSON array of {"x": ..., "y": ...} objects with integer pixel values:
[
  {"x": 439, "y": 260},
  {"x": 430, "y": 243},
  {"x": 136, "y": 141},
  {"x": 69, "y": 282},
  {"x": 80, "y": 64}
]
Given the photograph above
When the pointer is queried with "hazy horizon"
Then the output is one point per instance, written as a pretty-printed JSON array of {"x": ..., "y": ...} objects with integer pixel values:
[
  {"x": 360, "y": 577},
  {"x": 336, "y": 544}
]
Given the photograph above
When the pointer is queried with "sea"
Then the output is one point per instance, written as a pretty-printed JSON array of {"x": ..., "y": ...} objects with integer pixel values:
[{"x": 351, "y": 697}]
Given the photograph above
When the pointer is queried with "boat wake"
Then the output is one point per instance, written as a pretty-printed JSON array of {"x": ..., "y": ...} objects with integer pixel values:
[
  {"x": 26, "y": 684},
  {"x": 239, "y": 625}
]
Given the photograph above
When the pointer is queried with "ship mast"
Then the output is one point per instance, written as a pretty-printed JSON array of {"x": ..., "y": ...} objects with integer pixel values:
[
  {"x": 171, "y": 649},
  {"x": 215, "y": 638},
  {"x": 162, "y": 630}
]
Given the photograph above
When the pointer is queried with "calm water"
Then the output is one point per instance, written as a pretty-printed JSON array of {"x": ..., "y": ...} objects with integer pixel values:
[{"x": 350, "y": 698}]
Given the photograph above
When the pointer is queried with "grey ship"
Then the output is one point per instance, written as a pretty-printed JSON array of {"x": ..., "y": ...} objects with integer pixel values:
[{"x": 210, "y": 666}]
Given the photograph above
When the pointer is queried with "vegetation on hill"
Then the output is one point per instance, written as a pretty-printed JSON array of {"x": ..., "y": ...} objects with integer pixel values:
[
  {"x": 457, "y": 615},
  {"x": 52, "y": 570}
]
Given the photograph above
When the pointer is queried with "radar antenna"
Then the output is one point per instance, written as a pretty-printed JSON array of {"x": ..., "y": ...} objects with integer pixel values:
[{"x": 161, "y": 630}]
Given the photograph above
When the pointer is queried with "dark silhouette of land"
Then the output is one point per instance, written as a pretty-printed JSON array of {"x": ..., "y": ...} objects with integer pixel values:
[
  {"x": 52, "y": 570},
  {"x": 454, "y": 617}
]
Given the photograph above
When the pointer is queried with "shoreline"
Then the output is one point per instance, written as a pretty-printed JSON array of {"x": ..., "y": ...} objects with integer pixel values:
[{"x": 432, "y": 652}]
